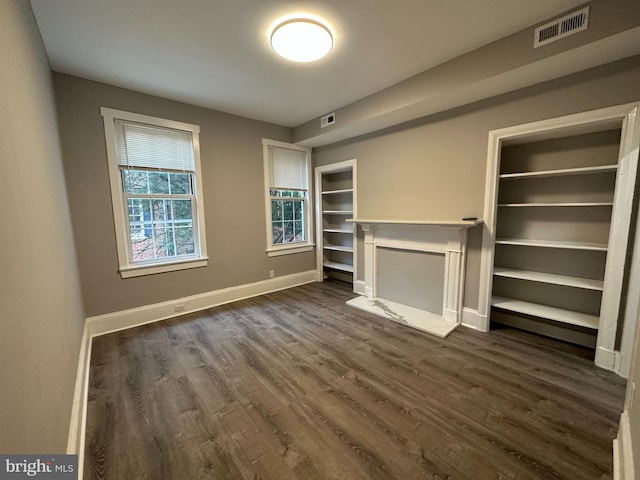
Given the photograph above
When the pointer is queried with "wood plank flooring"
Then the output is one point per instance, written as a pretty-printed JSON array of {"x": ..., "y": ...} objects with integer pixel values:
[{"x": 298, "y": 385}]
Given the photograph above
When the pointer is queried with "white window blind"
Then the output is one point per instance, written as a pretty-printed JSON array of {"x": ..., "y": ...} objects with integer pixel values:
[
  {"x": 288, "y": 169},
  {"x": 143, "y": 146}
]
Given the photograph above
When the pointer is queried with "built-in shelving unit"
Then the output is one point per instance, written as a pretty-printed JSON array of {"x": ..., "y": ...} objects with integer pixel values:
[
  {"x": 561, "y": 220},
  {"x": 554, "y": 208},
  {"x": 335, "y": 206}
]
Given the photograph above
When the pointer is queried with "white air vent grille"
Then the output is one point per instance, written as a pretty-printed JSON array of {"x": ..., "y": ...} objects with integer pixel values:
[
  {"x": 563, "y": 27},
  {"x": 327, "y": 120}
]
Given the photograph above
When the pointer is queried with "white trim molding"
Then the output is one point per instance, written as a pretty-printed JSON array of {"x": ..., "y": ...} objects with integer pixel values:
[
  {"x": 276, "y": 252},
  {"x": 77, "y": 427},
  {"x": 607, "y": 358},
  {"x": 359, "y": 287},
  {"x": 472, "y": 318}
]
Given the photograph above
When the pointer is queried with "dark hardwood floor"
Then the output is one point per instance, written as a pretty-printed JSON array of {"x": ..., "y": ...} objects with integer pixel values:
[{"x": 298, "y": 385}]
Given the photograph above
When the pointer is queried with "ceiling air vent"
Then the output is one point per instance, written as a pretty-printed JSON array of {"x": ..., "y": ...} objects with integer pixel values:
[
  {"x": 328, "y": 120},
  {"x": 562, "y": 27}
]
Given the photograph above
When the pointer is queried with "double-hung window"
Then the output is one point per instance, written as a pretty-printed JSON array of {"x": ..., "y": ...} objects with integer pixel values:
[
  {"x": 287, "y": 173},
  {"x": 156, "y": 188}
]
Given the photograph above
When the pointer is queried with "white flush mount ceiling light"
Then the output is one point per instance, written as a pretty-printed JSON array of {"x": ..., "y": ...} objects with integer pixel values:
[{"x": 301, "y": 39}]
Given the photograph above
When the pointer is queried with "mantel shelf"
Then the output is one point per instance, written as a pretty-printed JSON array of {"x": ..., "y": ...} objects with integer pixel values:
[{"x": 435, "y": 223}]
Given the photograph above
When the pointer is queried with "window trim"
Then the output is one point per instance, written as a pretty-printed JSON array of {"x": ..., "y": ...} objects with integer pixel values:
[
  {"x": 126, "y": 268},
  {"x": 288, "y": 248}
]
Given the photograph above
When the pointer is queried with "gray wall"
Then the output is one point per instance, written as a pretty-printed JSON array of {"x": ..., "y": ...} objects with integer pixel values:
[
  {"x": 434, "y": 167},
  {"x": 231, "y": 157},
  {"x": 42, "y": 316}
]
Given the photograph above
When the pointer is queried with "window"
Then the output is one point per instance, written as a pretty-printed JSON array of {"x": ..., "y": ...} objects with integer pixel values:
[
  {"x": 154, "y": 171},
  {"x": 287, "y": 171}
]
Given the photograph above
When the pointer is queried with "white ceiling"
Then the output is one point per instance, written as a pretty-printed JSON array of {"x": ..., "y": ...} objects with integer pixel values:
[{"x": 216, "y": 53}]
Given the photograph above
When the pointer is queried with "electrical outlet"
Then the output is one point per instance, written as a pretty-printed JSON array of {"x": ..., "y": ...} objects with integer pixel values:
[
  {"x": 180, "y": 307},
  {"x": 272, "y": 273}
]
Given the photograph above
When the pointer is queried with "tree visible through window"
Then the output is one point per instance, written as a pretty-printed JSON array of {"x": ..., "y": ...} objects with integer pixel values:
[
  {"x": 287, "y": 216},
  {"x": 160, "y": 213}
]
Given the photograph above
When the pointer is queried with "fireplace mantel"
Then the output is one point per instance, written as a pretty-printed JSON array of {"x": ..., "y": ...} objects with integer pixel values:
[
  {"x": 435, "y": 223},
  {"x": 443, "y": 237}
]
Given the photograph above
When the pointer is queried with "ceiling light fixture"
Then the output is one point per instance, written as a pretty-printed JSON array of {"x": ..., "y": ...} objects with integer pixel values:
[{"x": 301, "y": 39}]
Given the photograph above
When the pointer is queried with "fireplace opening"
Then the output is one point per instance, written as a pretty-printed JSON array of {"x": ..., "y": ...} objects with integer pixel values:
[{"x": 412, "y": 278}]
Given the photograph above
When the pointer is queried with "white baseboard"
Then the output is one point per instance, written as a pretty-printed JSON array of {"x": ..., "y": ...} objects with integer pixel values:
[
  {"x": 607, "y": 359},
  {"x": 623, "y": 465},
  {"x": 80, "y": 392},
  {"x": 134, "y": 317},
  {"x": 75, "y": 439},
  {"x": 450, "y": 315},
  {"x": 359, "y": 287},
  {"x": 472, "y": 319}
]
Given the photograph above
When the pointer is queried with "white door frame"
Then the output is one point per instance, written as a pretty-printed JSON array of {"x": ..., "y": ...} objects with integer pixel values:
[{"x": 622, "y": 116}]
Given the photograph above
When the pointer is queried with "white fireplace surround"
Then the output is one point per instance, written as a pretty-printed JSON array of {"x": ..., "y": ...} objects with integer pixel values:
[{"x": 444, "y": 237}]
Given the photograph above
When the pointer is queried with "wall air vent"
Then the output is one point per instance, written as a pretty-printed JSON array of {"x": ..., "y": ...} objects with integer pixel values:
[
  {"x": 562, "y": 27},
  {"x": 327, "y": 120}
]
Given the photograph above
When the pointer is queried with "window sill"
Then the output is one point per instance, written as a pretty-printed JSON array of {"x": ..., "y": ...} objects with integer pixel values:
[
  {"x": 140, "y": 270},
  {"x": 276, "y": 252}
]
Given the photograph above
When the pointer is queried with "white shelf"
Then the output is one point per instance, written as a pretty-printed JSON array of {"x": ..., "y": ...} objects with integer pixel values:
[
  {"x": 339, "y": 248},
  {"x": 337, "y": 212},
  {"x": 558, "y": 204},
  {"x": 338, "y": 230},
  {"x": 577, "y": 282},
  {"x": 545, "y": 311},
  {"x": 565, "y": 171},
  {"x": 343, "y": 267},
  {"x": 335, "y": 192},
  {"x": 601, "y": 247}
]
